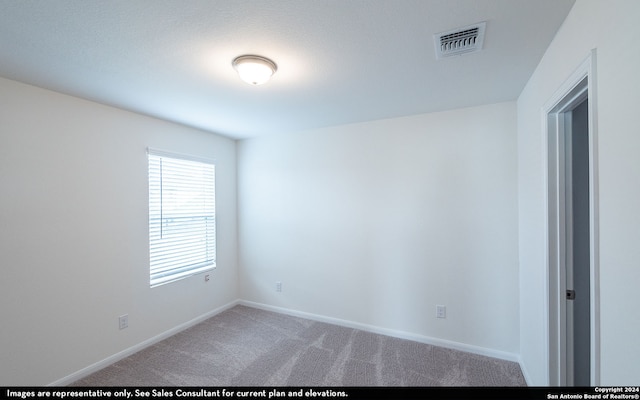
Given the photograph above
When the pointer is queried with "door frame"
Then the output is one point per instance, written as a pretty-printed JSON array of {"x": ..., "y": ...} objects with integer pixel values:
[{"x": 578, "y": 87}]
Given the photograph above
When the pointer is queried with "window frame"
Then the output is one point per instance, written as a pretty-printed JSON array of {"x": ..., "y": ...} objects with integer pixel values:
[{"x": 171, "y": 198}]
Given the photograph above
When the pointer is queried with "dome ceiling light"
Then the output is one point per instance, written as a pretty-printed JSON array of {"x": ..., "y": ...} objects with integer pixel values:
[{"x": 255, "y": 70}]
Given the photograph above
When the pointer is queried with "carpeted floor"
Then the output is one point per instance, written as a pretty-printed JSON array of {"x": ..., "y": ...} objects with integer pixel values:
[{"x": 244, "y": 346}]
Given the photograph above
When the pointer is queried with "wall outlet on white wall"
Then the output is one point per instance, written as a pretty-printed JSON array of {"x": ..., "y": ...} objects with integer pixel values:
[
  {"x": 441, "y": 311},
  {"x": 278, "y": 286},
  {"x": 123, "y": 321}
]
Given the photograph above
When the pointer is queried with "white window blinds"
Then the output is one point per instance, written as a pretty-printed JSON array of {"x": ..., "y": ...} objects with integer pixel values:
[{"x": 182, "y": 224}]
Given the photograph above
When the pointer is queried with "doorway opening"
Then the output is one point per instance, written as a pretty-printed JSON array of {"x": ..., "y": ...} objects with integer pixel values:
[{"x": 573, "y": 295}]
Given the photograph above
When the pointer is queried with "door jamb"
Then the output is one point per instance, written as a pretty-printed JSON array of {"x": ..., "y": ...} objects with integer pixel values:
[{"x": 579, "y": 86}]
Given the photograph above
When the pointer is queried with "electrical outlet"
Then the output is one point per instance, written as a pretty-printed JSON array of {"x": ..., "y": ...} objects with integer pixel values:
[
  {"x": 278, "y": 286},
  {"x": 441, "y": 312},
  {"x": 123, "y": 321}
]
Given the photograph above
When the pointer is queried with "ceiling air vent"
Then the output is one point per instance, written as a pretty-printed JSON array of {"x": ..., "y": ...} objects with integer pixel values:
[{"x": 459, "y": 41}]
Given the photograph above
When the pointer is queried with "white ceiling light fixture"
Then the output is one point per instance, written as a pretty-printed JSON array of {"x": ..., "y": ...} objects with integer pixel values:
[{"x": 255, "y": 70}]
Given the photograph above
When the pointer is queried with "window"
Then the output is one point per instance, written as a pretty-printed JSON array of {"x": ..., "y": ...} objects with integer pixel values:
[{"x": 182, "y": 224}]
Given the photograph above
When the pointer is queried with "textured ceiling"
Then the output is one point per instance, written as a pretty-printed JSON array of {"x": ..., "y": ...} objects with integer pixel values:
[{"x": 339, "y": 61}]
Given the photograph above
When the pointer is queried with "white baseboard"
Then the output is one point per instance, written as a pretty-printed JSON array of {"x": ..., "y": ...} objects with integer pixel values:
[
  {"x": 525, "y": 372},
  {"x": 140, "y": 346},
  {"x": 390, "y": 332}
]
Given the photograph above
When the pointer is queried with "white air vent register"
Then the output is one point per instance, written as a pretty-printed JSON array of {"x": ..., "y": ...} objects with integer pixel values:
[{"x": 463, "y": 40}]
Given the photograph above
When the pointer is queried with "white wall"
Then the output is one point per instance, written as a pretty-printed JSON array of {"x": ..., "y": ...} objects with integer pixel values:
[
  {"x": 611, "y": 28},
  {"x": 378, "y": 222},
  {"x": 73, "y": 233}
]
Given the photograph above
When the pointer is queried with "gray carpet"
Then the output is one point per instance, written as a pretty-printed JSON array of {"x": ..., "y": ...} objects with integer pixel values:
[{"x": 244, "y": 346}]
